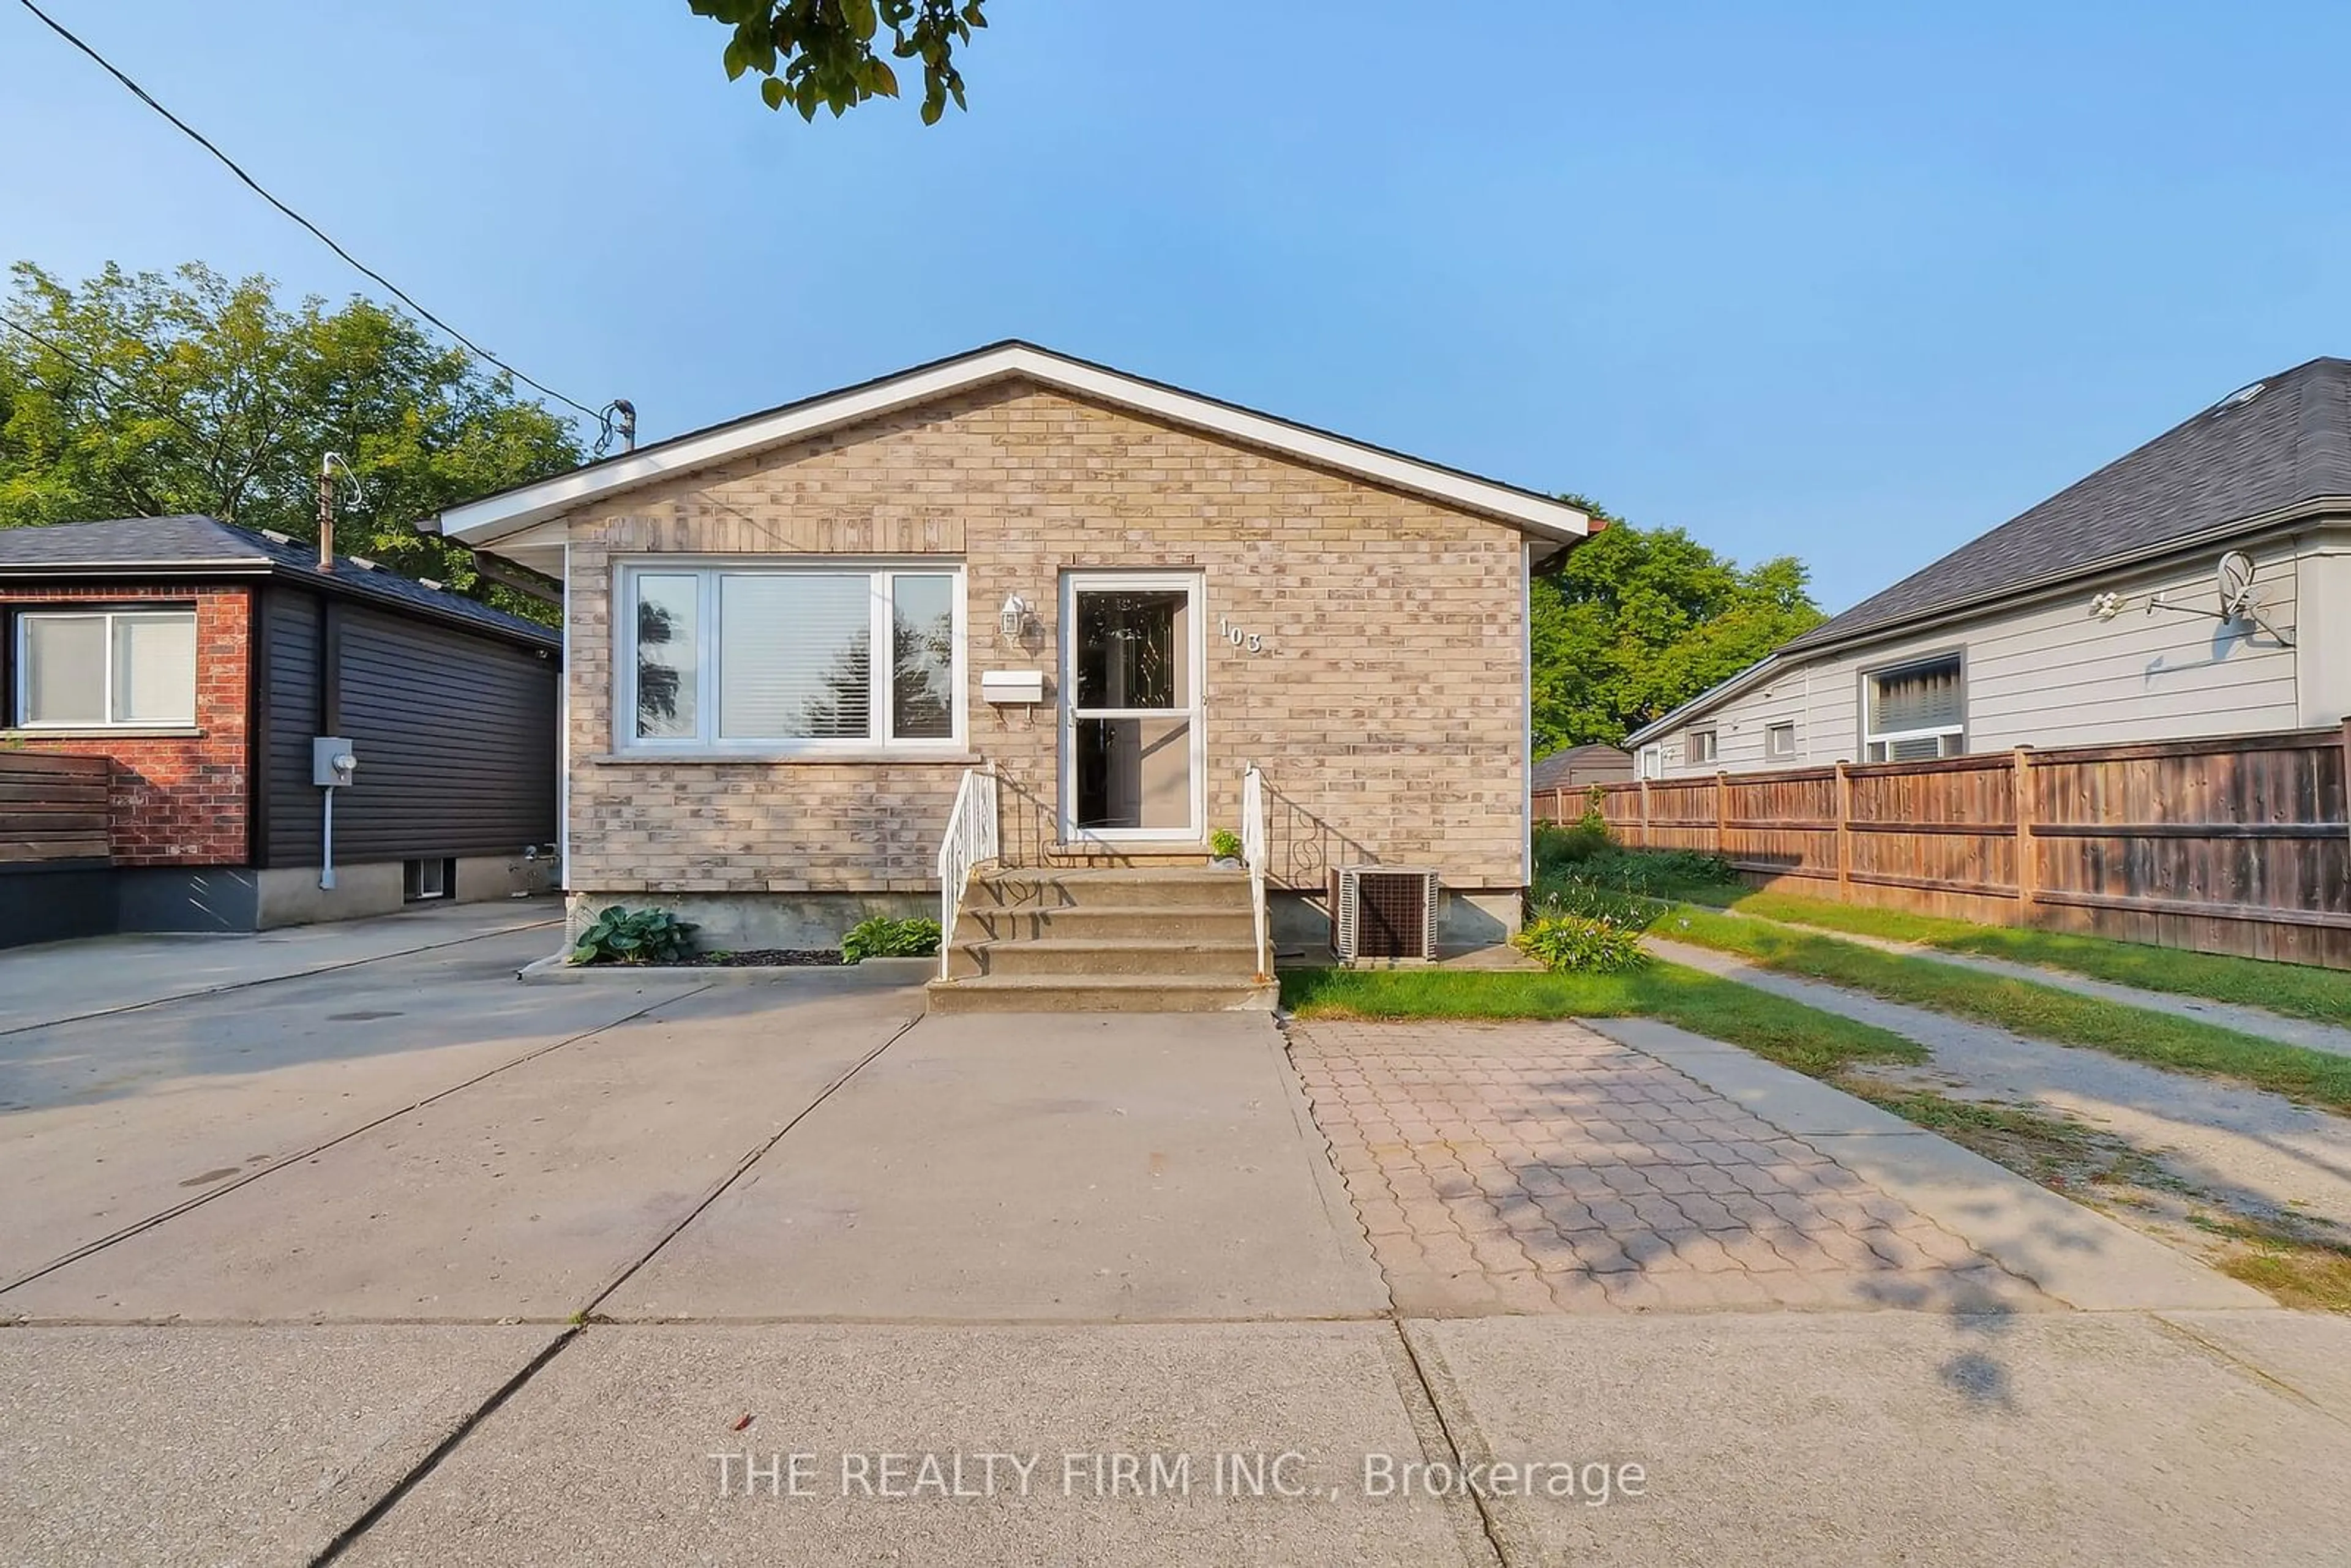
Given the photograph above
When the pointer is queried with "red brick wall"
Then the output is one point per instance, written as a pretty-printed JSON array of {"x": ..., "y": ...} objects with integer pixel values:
[{"x": 176, "y": 800}]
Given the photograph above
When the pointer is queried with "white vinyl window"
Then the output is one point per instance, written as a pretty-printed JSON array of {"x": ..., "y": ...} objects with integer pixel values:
[
  {"x": 1779, "y": 741},
  {"x": 1916, "y": 712},
  {"x": 1701, "y": 748},
  {"x": 781, "y": 659},
  {"x": 95, "y": 669}
]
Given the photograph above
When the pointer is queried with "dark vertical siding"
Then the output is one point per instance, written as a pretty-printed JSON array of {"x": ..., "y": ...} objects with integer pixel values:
[
  {"x": 289, "y": 669},
  {"x": 455, "y": 738}
]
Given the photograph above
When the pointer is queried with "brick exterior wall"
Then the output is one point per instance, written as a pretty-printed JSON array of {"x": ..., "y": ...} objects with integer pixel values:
[
  {"x": 1387, "y": 708},
  {"x": 177, "y": 799}
]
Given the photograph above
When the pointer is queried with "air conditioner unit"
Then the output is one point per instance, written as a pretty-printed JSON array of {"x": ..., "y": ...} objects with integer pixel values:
[{"x": 1382, "y": 912}]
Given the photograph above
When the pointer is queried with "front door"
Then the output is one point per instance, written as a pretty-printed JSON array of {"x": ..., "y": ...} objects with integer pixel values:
[{"x": 1132, "y": 662}]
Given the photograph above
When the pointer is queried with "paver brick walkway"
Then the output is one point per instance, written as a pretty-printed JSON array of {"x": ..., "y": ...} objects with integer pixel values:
[{"x": 1540, "y": 1167}]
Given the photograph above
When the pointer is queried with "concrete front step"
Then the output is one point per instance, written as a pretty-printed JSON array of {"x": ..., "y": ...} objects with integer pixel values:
[
  {"x": 1106, "y": 923},
  {"x": 1188, "y": 887},
  {"x": 1167, "y": 955},
  {"x": 1098, "y": 994}
]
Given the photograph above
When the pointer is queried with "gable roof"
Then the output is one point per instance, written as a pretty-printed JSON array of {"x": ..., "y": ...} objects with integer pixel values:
[
  {"x": 1550, "y": 772},
  {"x": 191, "y": 545},
  {"x": 493, "y": 518},
  {"x": 2269, "y": 448}
]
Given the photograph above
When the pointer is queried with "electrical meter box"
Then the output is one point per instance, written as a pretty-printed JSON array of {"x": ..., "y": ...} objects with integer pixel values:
[{"x": 332, "y": 761}]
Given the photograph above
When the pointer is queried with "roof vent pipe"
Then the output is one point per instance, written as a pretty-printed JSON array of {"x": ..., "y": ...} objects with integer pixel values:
[{"x": 328, "y": 464}]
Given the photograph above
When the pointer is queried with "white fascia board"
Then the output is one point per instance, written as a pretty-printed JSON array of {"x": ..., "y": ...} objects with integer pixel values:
[
  {"x": 1704, "y": 703},
  {"x": 497, "y": 517}
]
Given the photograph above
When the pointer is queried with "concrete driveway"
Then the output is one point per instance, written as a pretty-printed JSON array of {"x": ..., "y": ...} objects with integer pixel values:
[{"x": 402, "y": 1262}]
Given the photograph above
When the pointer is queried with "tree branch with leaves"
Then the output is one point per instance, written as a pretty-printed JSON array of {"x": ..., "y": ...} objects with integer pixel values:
[
  {"x": 137, "y": 395},
  {"x": 827, "y": 54}
]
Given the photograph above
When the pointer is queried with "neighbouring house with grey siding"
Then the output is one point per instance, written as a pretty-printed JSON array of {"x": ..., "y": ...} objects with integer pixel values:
[{"x": 2012, "y": 639}]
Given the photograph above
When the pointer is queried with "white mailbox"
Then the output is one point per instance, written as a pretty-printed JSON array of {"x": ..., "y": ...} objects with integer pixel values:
[{"x": 1009, "y": 687}]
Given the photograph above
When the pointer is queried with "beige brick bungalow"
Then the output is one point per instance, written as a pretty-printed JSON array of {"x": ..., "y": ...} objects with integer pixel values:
[{"x": 1114, "y": 595}]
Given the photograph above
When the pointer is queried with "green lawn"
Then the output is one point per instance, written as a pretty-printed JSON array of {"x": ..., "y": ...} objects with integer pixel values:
[
  {"x": 2298, "y": 989},
  {"x": 1811, "y": 1042},
  {"x": 2042, "y": 1012}
]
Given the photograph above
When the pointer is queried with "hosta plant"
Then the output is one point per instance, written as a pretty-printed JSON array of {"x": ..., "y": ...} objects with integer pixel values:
[
  {"x": 883, "y": 937},
  {"x": 619, "y": 936}
]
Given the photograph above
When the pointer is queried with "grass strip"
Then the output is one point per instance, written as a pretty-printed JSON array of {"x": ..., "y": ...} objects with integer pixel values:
[
  {"x": 2297, "y": 1270},
  {"x": 1816, "y": 1044},
  {"x": 2040, "y": 1012},
  {"x": 2299, "y": 990}
]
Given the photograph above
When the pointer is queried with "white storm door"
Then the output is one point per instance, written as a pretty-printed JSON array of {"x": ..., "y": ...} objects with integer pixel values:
[{"x": 1132, "y": 665}]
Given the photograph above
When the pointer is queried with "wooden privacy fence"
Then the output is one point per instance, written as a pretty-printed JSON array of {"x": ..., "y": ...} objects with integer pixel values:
[
  {"x": 2240, "y": 845},
  {"x": 52, "y": 808},
  {"x": 1564, "y": 804}
]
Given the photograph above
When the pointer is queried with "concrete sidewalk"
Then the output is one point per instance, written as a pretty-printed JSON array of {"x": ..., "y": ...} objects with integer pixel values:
[
  {"x": 2260, "y": 1022},
  {"x": 2259, "y": 1150},
  {"x": 55, "y": 981}
]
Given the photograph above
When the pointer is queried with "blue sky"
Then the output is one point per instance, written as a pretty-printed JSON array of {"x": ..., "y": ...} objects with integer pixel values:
[{"x": 1854, "y": 282}]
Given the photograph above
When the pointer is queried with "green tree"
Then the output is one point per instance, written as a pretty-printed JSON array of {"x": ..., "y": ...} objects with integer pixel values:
[
  {"x": 1639, "y": 621},
  {"x": 139, "y": 394},
  {"x": 815, "y": 54}
]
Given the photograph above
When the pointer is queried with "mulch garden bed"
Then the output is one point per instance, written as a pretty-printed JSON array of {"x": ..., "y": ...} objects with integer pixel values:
[{"x": 758, "y": 959}]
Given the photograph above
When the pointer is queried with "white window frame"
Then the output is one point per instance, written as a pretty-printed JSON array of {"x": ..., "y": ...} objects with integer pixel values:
[
  {"x": 1712, "y": 737},
  {"x": 875, "y": 743},
  {"x": 1950, "y": 739},
  {"x": 21, "y": 654},
  {"x": 1652, "y": 763},
  {"x": 1773, "y": 731}
]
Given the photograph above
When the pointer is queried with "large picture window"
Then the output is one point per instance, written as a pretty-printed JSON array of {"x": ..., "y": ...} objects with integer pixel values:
[
  {"x": 106, "y": 668},
  {"x": 1916, "y": 712},
  {"x": 783, "y": 658}
]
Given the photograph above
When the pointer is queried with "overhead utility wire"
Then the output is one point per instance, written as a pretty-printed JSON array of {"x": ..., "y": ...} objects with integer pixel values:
[
  {"x": 603, "y": 418},
  {"x": 108, "y": 377}
]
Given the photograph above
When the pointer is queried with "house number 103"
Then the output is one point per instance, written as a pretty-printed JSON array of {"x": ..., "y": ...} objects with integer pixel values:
[{"x": 1247, "y": 642}]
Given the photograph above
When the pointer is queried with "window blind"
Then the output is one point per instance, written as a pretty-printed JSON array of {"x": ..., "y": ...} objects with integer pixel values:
[
  {"x": 155, "y": 669},
  {"x": 1925, "y": 697},
  {"x": 795, "y": 655},
  {"x": 64, "y": 669}
]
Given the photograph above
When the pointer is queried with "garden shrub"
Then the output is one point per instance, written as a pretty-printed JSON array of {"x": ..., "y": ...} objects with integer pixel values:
[
  {"x": 1560, "y": 844},
  {"x": 1654, "y": 874},
  {"x": 619, "y": 936},
  {"x": 1590, "y": 901},
  {"x": 1578, "y": 944},
  {"x": 880, "y": 936}
]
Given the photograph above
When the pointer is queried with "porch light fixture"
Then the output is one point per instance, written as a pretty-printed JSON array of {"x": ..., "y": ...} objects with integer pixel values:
[{"x": 1013, "y": 619}]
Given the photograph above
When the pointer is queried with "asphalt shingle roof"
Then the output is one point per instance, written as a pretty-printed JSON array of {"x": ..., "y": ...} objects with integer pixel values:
[
  {"x": 189, "y": 542},
  {"x": 2287, "y": 444},
  {"x": 1550, "y": 772}
]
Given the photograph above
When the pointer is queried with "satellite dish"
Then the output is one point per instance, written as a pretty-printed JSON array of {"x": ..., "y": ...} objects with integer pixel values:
[{"x": 2234, "y": 582}]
